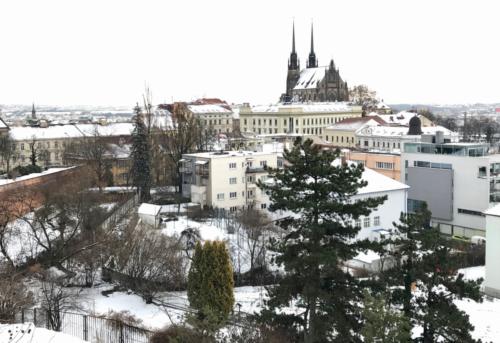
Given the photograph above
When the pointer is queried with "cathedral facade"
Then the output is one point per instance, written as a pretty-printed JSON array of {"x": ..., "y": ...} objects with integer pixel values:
[{"x": 314, "y": 83}]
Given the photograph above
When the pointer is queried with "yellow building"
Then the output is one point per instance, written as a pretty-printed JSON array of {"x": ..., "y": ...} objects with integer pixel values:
[
  {"x": 295, "y": 118},
  {"x": 343, "y": 133}
]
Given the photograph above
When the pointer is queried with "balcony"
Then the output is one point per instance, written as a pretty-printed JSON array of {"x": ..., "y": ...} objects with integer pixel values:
[{"x": 254, "y": 170}]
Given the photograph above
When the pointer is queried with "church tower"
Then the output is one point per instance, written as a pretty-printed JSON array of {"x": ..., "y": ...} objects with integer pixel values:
[
  {"x": 293, "y": 70},
  {"x": 313, "y": 61}
]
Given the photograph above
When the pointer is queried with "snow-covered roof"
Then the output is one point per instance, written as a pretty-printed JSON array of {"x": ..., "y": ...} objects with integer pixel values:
[
  {"x": 71, "y": 131},
  {"x": 367, "y": 257},
  {"x": 353, "y": 124},
  {"x": 401, "y": 118},
  {"x": 227, "y": 154},
  {"x": 310, "y": 77},
  {"x": 149, "y": 209},
  {"x": 34, "y": 175},
  {"x": 378, "y": 183},
  {"x": 384, "y": 130},
  {"x": 310, "y": 107},
  {"x": 211, "y": 108}
]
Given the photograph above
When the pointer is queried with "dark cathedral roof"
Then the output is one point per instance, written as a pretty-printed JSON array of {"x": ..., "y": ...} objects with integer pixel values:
[{"x": 415, "y": 126}]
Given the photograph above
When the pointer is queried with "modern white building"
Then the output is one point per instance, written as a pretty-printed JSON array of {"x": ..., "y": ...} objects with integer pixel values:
[
  {"x": 458, "y": 181},
  {"x": 492, "y": 277},
  {"x": 226, "y": 179}
]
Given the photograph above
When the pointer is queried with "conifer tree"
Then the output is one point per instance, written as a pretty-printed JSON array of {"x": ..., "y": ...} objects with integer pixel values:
[
  {"x": 425, "y": 283},
  {"x": 383, "y": 324},
  {"x": 210, "y": 283},
  {"x": 317, "y": 193},
  {"x": 141, "y": 162}
]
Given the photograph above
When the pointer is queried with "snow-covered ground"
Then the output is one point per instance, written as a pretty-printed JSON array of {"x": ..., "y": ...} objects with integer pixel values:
[
  {"x": 485, "y": 316},
  {"x": 28, "y": 333},
  {"x": 152, "y": 316}
]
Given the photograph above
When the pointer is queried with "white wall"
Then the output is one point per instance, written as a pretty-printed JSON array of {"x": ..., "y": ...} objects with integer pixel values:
[
  {"x": 469, "y": 191},
  {"x": 492, "y": 281},
  {"x": 388, "y": 212}
]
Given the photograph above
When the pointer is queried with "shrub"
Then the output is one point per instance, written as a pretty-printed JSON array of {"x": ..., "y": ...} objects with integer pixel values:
[
  {"x": 210, "y": 282},
  {"x": 180, "y": 334}
]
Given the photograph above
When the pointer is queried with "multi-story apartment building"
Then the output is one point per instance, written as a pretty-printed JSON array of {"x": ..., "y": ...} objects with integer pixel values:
[
  {"x": 458, "y": 181},
  {"x": 218, "y": 118},
  {"x": 226, "y": 179},
  {"x": 295, "y": 118},
  {"x": 492, "y": 272},
  {"x": 50, "y": 142}
]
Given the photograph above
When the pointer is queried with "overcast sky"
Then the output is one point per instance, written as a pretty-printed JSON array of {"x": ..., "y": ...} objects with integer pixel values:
[{"x": 103, "y": 52}]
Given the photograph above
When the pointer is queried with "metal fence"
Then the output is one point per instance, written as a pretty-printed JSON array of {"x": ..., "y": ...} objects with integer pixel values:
[
  {"x": 87, "y": 327},
  {"x": 120, "y": 212}
]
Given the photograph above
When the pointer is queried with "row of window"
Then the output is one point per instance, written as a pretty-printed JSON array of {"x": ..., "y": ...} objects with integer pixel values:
[
  {"x": 311, "y": 131},
  {"x": 234, "y": 195},
  {"x": 384, "y": 165},
  {"x": 308, "y": 121},
  {"x": 233, "y": 165},
  {"x": 249, "y": 179},
  {"x": 341, "y": 139},
  {"x": 426, "y": 164},
  {"x": 366, "y": 143},
  {"x": 209, "y": 122},
  {"x": 367, "y": 222},
  {"x": 236, "y": 208},
  {"x": 41, "y": 145}
]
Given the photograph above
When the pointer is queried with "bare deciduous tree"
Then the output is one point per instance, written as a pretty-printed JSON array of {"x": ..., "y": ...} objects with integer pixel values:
[{"x": 13, "y": 294}]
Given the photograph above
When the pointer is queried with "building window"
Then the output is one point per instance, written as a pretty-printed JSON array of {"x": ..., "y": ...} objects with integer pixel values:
[
  {"x": 470, "y": 212},
  {"x": 376, "y": 221},
  {"x": 232, "y": 180},
  {"x": 365, "y": 143},
  {"x": 263, "y": 206},
  {"x": 22, "y": 146},
  {"x": 366, "y": 222},
  {"x": 220, "y": 196},
  {"x": 232, "y": 165},
  {"x": 244, "y": 121},
  {"x": 357, "y": 223},
  {"x": 482, "y": 172},
  {"x": 384, "y": 165},
  {"x": 233, "y": 195},
  {"x": 250, "y": 194},
  {"x": 263, "y": 163},
  {"x": 414, "y": 205},
  {"x": 233, "y": 208}
]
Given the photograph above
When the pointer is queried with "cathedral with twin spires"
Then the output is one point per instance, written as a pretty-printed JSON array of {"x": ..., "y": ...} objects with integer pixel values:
[{"x": 315, "y": 84}]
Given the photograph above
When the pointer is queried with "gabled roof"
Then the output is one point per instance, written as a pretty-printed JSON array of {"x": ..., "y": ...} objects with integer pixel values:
[
  {"x": 353, "y": 124},
  {"x": 310, "y": 77}
]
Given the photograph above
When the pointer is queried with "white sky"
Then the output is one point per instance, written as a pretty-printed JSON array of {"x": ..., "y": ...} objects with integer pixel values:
[{"x": 103, "y": 51}]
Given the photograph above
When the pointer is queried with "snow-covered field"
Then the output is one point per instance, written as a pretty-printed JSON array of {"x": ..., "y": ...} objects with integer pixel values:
[{"x": 28, "y": 333}]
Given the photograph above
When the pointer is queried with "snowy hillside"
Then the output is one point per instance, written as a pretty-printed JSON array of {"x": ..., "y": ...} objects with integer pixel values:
[{"x": 27, "y": 333}]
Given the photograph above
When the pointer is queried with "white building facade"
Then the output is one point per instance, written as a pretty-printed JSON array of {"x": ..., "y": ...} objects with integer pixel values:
[
  {"x": 458, "y": 181},
  {"x": 492, "y": 277},
  {"x": 226, "y": 179}
]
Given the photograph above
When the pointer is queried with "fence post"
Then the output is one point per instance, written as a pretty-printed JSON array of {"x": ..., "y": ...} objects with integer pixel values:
[
  {"x": 85, "y": 328},
  {"x": 121, "y": 333},
  {"x": 47, "y": 315},
  {"x": 22, "y": 315},
  {"x": 34, "y": 316}
]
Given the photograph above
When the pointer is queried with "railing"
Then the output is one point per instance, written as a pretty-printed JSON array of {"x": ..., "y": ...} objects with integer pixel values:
[
  {"x": 120, "y": 212},
  {"x": 87, "y": 327}
]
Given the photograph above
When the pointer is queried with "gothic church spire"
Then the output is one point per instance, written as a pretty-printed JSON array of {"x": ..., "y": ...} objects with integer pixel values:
[
  {"x": 293, "y": 63},
  {"x": 313, "y": 61}
]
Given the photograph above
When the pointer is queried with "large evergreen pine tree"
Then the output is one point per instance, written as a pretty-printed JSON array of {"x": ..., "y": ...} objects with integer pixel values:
[
  {"x": 316, "y": 192},
  {"x": 425, "y": 283},
  {"x": 141, "y": 163}
]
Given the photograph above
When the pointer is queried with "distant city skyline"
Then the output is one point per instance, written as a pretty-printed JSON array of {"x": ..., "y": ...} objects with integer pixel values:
[{"x": 93, "y": 52}]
